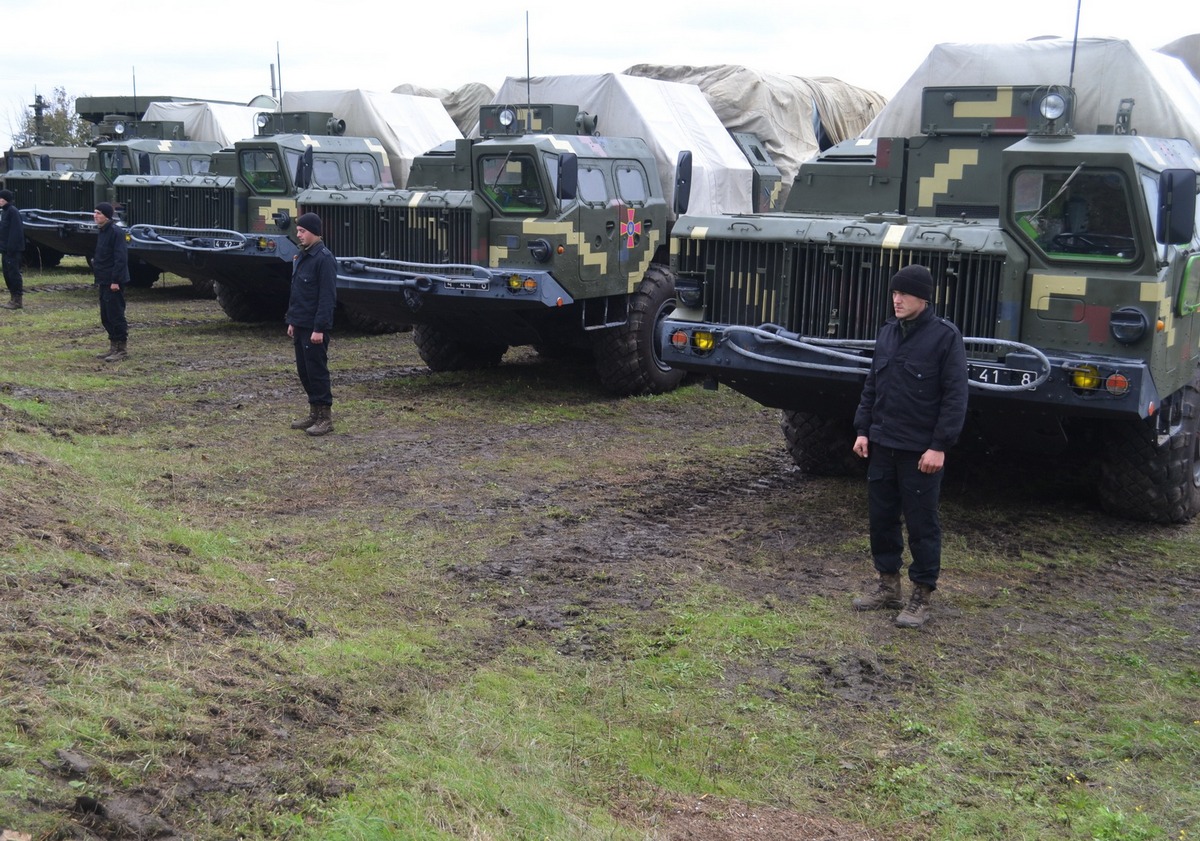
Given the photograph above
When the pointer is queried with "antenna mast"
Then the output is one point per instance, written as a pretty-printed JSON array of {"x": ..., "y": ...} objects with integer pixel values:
[
  {"x": 279, "y": 64},
  {"x": 1075, "y": 42},
  {"x": 528, "y": 84}
]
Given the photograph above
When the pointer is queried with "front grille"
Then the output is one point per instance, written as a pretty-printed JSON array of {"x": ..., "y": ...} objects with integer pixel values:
[
  {"x": 838, "y": 291},
  {"x": 54, "y": 194},
  {"x": 410, "y": 234},
  {"x": 177, "y": 206}
]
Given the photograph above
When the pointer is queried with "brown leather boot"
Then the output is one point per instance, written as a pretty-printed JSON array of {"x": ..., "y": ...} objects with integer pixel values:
[
  {"x": 324, "y": 424},
  {"x": 105, "y": 354},
  {"x": 916, "y": 612},
  {"x": 119, "y": 354},
  {"x": 305, "y": 423},
  {"x": 16, "y": 302},
  {"x": 886, "y": 596}
]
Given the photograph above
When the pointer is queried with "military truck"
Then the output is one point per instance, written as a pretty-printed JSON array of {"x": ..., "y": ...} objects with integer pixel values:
[
  {"x": 1069, "y": 261},
  {"x": 230, "y": 227},
  {"x": 56, "y": 206},
  {"x": 541, "y": 232}
]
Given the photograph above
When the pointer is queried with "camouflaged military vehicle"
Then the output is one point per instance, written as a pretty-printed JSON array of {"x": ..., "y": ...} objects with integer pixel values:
[
  {"x": 1070, "y": 263},
  {"x": 555, "y": 239},
  {"x": 231, "y": 226},
  {"x": 56, "y": 206}
]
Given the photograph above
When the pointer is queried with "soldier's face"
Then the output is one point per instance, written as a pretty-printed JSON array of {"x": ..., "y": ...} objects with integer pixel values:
[
  {"x": 304, "y": 236},
  {"x": 907, "y": 306}
]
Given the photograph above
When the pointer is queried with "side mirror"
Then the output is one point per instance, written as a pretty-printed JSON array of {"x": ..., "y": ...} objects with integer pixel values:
[
  {"x": 1176, "y": 207},
  {"x": 568, "y": 176},
  {"x": 683, "y": 182},
  {"x": 304, "y": 168}
]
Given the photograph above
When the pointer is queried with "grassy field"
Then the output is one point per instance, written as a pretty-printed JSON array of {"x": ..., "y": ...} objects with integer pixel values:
[{"x": 504, "y": 605}]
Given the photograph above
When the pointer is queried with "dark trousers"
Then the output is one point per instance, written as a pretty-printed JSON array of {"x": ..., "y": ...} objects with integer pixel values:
[
  {"x": 12, "y": 272},
  {"x": 312, "y": 364},
  {"x": 112, "y": 314},
  {"x": 895, "y": 488}
]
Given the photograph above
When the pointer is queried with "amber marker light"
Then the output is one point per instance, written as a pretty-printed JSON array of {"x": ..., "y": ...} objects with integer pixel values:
[
  {"x": 1117, "y": 384},
  {"x": 704, "y": 341},
  {"x": 1160, "y": 325},
  {"x": 1086, "y": 377},
  {"x": 514, "y": 282},
  {"x": 530, "y": 284}
]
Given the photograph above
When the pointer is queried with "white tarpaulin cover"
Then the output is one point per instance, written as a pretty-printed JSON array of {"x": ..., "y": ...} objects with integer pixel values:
[
  {"x": 784, "y": 112},
  {"x": 226, "y": 124},
  {"x": 462, "y": 104},
  {"x": 669, "y": 116},
  {"x": 1187, "y": 50},
  {"x": 1166, "y": 95},
  {"x": 407, "y": 126}
]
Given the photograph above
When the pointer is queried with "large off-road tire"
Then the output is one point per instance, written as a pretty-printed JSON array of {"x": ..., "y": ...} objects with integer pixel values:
[
  {"x": 1143, "y": 479},
  {"x": 361, "y": 322},
  {"x": 821, "y": 446},
  {"x": 627, "y": 357},
  {"x": 142, "y": 275},
  {"x": 41, "y": 257},
  {"x": 242, "y": 304},
  {"x": 443, "y": 352},
  {"x": 204, "y": 288}
]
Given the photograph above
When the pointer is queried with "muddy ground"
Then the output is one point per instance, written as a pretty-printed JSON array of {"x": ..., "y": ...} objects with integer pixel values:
[{"x": 585, "y": 551}]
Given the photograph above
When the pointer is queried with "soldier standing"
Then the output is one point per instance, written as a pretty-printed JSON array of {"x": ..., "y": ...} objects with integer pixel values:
[
  {"x": 310, "y": 319},
  {"x": 913, "y": 407},
  {"x": 111, "y": 267},
  {"x": 12, "y": 242}
]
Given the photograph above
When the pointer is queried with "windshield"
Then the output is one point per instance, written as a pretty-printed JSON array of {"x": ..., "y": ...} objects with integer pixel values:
[
  {"x": 262, "y": 171},
  {"x": 1075, "y": 214},
  {"x": 511, "y": 181}
]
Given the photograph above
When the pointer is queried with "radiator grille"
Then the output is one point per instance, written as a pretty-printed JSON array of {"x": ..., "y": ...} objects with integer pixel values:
[
  {"x": 839, "y": 291},
  {"x": 411, "y": 234},
  {"x": 179, "y": 206}
]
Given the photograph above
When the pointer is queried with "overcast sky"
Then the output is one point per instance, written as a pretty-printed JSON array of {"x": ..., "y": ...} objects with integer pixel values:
[{"x": 224, "y": 50}]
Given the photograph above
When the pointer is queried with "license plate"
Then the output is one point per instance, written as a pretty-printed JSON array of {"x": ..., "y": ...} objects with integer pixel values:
[
  {"x": 466, "y": 284},
  {"x": 999, "y": 375}
]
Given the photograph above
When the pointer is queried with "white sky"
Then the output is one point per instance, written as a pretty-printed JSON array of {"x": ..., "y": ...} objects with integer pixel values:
[{"x": 224, "y": 50}]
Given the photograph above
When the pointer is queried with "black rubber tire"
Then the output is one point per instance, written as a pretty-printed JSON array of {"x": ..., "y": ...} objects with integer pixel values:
[
  {"x": 1143, "y": 480},
  {"x": 360, "y": 322},
  {"x": 442, "y": 352},
  {"x": 627, "y": 357},
  {"x": 142, "y": 275},
  {"x": 821, "y": 446},
  {"x": 41, "y": 257},
  {"x": 204, "y": 288},
  {"x": 244, "y": 305}
]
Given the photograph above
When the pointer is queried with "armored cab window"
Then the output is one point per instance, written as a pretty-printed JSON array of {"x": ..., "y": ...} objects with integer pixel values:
[
  {"x": 168, "y": 166},
  {"x": 363, "y": 172},
  {"x": 262, "y": 170},
  {"x": 592, "y": 189},
  {"x": 631, "y": 184},
  {"x": 1075, "y": 215},
  {"x": 326, "y": 173},
  {"x": 511, "y": 182},
  {"x": 114, "y": 162},
  {"x": 199, "y": 166}
]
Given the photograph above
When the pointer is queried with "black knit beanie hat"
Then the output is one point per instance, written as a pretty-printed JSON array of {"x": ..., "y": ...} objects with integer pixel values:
[
  {"x": 105, "y": 208},
  {"x": 913, "y": 280},
  {"x": 310, "y": 222}
]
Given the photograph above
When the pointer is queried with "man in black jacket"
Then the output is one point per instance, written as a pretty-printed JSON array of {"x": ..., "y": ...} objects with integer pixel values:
[
  {"x": 110, "y": 265},
  {"x": 12, "y": 244},
  {"x": 310, "y": 319},
  {"x": 912, "y": 410}
]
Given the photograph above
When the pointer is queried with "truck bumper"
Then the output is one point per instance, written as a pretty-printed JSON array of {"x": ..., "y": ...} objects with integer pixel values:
[{"x": 788, "y": 376}]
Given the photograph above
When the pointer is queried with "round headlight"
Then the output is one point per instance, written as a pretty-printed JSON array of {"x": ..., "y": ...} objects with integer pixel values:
[
  {"x": 1053, "y": 106},
  {"x": 507, "y": 117},
  {"x": 118, "y": 128},
  {"x": 261, "y": 120}
]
